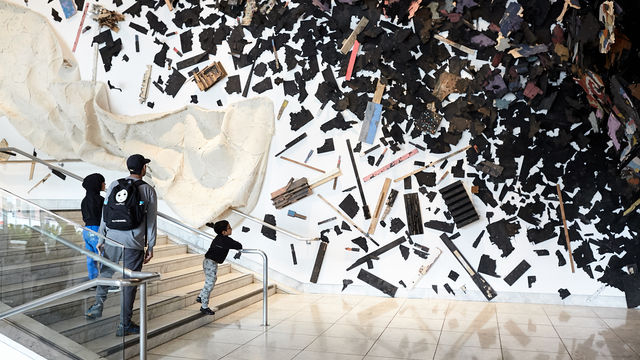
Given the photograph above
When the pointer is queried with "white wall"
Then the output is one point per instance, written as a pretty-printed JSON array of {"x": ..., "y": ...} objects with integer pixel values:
[{"x": 391, "y": 266}]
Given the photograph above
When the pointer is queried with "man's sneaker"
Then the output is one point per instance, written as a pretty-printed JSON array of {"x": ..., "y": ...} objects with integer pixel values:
[
  {"x": 113, "y": 289},
  {"x": 199, "y": 300},
  {"x": 207, "y": 311},
  {"x": 132, "y": 329},
  {"x": 94, "y": 312}
]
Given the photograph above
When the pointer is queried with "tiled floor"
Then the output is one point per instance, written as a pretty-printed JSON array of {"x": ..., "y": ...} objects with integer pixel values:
[{"x": 329, "y": 327}]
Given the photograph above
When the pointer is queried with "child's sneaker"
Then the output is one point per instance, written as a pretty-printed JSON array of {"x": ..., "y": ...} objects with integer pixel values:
[
  {"x": 199, "y": 300},
  {"x": 207, "y": 311}
]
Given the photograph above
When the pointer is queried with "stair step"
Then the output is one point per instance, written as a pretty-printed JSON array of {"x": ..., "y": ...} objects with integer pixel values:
[
  {"x": 53, "y": 267},
  {"x": 172, "y": 325},
  {"x": 19, "y": 293},
  {"x": 37, "y": 269},
  {"x": 80, "y": 329},
  {"x": 36, "y": 253},
  {"x": 77, "y": 304}
]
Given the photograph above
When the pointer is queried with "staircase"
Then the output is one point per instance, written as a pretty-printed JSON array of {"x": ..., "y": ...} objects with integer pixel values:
[{"x": 37, "y": 270}]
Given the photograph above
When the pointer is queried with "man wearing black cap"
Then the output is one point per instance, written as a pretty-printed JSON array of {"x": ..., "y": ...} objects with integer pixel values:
[{"x": 133, "y": 240}]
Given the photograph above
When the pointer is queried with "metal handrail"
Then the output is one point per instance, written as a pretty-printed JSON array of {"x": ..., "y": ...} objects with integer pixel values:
[
  {"x": 127, "y": 272},
  {"x": 265, "y": 274},
  {"x": 308, "y": 240},
  {"x": 265, "y": 281},
  {"x": 265, "y": 262},
  {"x": 72, "y": 290}
]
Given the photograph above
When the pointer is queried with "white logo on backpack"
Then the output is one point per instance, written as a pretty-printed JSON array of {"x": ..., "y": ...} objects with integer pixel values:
[{"x": 121, "y": 195}]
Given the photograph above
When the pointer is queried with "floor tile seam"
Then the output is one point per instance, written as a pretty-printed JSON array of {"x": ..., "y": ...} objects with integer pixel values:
[
  {"x": 618, "y": 336},
  {"x": 578, "y": 326},
  {"x": 441, "y": 330},
  {"x": 230, "y": 352},
  {"x": 637, "y": 353},
  {"x": 317, "y": 336},
  {"x": 534, "y": 336},
  {"x": 404, "y": 301},
  {"x": 537, "y": 352},
  {"x": 566, "y": 348},
  {"x": 499, "y": 335},
  {"x": 180, "y": 357}
]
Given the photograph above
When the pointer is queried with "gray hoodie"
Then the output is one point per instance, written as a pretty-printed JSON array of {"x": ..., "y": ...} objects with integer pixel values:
[{"x": 135, "y": 239}]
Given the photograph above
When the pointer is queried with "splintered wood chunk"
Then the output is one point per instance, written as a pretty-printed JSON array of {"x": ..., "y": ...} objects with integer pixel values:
[
  {"x": 210, "y": 75},
  {"x": 292, "y": 192},
  {"x": 447, "y": 84}
]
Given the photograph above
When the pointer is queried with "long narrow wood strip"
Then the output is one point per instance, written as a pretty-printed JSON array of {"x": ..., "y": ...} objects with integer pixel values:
[
  {"x": 566, "y": 230},
  {"x": 84, "y": 15},
  {"x": 348, "y": 42},
  {"x": 322, "y": 249},
  {"x": 348, "y": 219},
  {"x": 365, "y": 207},
  {"x": 455, "y": 45},
  {"x": 33, "y": 166},
  {"x": 352, "y": 60},
  {"x": 302, "y": 164},
  {"x": 432, "y": 163},
  {"x": 390, "y": 165},
  {"x": 45, "y": 178},
  {"x": 482, "y": 284},
  {"x": 335, "y": 181},
  {"x": 379, "y": 205},
  {"x": 377, "y": 96},
  {"x": 333, "y": 174},
  {"x": 631, "y": 208}
]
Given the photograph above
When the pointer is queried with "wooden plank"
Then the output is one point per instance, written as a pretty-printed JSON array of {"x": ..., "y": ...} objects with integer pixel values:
[
  {"x": 455, "y": 45},
  {"x": 432, "y": 163},
  {"x": 352, "y": 60},
  {"x": 317, "y": 266},
  {"x": 348, "y": 219},
  {"x": 566, "y": 230},
  {"x": 365, "y": 207},
  {"x": 480, "y": 281},
  {"x": 379, "y": 204},
  {"x": 333, "y": 174},
  {"x": 377, "y": 96},
  {"x": 390, "y": 165},
  {"x": 33, "y": 166},
  {"x": 347, "y": 44},
  {"x": 302, "y": 164},
  {"x": 414, "y": 215},
  {"x": 376, "y": 253},
  {"x": 378, "y": 283}
]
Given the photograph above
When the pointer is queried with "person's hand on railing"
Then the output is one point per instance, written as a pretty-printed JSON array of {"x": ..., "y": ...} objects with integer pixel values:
[
  {"x": 148, "y": 256},
  {"x": 100, "y": 248}
]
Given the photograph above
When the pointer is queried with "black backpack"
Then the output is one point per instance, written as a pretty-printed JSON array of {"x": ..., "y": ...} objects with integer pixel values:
[{"x": 124, "y": 209}]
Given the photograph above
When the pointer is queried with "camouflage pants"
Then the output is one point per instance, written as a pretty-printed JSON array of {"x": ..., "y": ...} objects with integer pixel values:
[{"x": 210, "y": 277}]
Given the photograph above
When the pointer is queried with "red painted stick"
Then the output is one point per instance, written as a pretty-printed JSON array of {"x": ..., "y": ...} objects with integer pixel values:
[
  {"x": 84, "y": 14},
  {"x": 352, "y": 59}
]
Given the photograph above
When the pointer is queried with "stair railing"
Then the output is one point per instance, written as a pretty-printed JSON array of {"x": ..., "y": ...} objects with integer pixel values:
[
  {"x": 265, "y": 261},
  {"x": 134, "y": 278},
  {"x": 265, "y": 281},
  {"x": 13, "y": 151}
]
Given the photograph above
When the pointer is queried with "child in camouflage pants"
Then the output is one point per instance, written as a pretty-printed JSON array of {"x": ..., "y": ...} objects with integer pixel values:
[{"x": 216, "y": 254}]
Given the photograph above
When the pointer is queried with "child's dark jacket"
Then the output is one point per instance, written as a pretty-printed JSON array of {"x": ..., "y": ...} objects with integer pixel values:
[{"x": 219, "y": 248}]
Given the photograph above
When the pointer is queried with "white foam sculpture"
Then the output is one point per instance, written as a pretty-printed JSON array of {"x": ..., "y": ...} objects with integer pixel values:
[{"x": 203, "y": 162}]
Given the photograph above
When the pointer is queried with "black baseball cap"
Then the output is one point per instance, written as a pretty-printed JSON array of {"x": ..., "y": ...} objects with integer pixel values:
[{"x": 136, "y": 162}]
